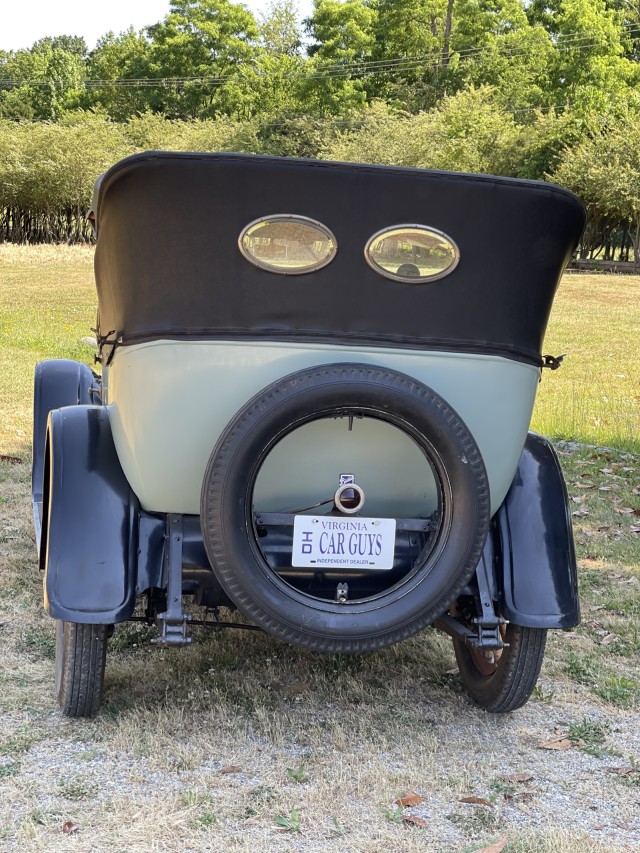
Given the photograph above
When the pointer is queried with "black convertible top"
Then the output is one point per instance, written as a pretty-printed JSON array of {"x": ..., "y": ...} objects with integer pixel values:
[{"x": 168, "y": 264}]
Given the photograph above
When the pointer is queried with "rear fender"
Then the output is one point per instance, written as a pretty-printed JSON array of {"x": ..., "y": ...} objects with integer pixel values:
[
  {"x": 534, "y": 551},
  {"x": 58, "y": 382},
  {"x": 90, "y": 521}
]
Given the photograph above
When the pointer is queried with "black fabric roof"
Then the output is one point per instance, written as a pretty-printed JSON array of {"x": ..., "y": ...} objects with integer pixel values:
[{"x": 168, "y": 264}]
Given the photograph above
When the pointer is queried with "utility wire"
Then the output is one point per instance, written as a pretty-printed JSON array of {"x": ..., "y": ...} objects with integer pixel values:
[{"x": 477, "y": 56}]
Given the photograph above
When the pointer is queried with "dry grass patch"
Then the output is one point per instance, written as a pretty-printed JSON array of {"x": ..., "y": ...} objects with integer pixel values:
[{"x": 208, "y": 747}]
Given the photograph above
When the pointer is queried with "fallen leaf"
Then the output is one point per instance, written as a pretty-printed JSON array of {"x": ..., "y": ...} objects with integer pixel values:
[
  {"x": 586, "y": 485},
  {"x": 15, "y": 460},
  {"x": 605, "y": 488},
  {"x": 610, "y": 638},
  {"x": 635, "y": 528},
  {"x": 624, "y": 771},
  {"x": 476, "y": 801},
  {"x": 581, "y": 512},
  {"x": 497, "y": 847},
  {"x": 410, "y": 799},
  {"x": 232, "y": 768},
  {"x": 560, "y": 743},
  {"x": 519, "y": 777},
  {"x": 70, "y": 827},
  {"x": 624, "y": 510},
  {"x": 415, "y": 821},
  {"x": 570, "y": 635},
  {"x": 606, "y": 470},
  {"x": 522, "y": 796}
]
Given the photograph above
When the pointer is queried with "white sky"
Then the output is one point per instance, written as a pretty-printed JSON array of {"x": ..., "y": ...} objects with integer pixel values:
[{"x": 22, "y": 22}]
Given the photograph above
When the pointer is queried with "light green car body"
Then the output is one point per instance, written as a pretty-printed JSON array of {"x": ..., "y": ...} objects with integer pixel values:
[{"x": 169, "y": 402}]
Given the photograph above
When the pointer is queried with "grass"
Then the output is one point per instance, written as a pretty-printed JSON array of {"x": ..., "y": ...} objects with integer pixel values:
[
  {"x": 205, "y": 749},
  {"x": 595, "y": 395},
  {"x": 48, "y": 306}
]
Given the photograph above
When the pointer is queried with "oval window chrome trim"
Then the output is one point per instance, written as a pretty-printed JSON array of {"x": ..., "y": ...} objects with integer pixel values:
[
  {"x": 295, "y": 219},
  {"x": 414, "y": 279}
]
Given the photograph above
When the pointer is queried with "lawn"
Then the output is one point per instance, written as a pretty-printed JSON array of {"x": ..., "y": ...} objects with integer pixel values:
[
  {"x": 595, "y": 396},
  {"x": 242, "y": 743}
]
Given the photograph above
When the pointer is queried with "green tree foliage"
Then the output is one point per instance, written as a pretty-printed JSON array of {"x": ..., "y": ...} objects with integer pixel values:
[
  {"x": 343, "y": 38},
  {"x": 589, "y": 67},
  {"x": 41, "y": 83},
  {"x": 466, "y": 132},
  {"x": 114, "y": 71},
  {"x": 280, "y": 32},
  {"x": 201, "y": 39},
  {"x": 47, "y": 172},
  {"x": 604, "y": 170}
]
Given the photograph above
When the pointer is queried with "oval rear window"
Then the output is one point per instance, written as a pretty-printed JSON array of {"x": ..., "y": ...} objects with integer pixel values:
[
  {"x": 414, "y": 254},
  {"x": 287, "y": 244}
]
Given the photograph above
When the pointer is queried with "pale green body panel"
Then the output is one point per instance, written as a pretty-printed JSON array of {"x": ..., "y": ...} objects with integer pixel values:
[{"x": 169, "y": 401}]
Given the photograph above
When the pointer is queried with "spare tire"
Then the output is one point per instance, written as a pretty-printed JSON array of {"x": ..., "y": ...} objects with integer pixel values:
[{"x": 431, "y": 584}]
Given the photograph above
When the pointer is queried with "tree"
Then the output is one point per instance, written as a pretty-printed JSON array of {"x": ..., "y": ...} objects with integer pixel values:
[
  {"x": 343, "y": 38},
  {"x": 41, "y": 83},
  {"x": 209, "y": 39},
  {"x": 412, "y": 43},
  {"x": 604, "y": 170},
  {"x": 280, "y": 33},
  {"x": 115, "y": 70}
]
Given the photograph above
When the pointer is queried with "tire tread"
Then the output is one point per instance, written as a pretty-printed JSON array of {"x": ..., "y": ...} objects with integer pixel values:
[{"x": 84, "y": 649}]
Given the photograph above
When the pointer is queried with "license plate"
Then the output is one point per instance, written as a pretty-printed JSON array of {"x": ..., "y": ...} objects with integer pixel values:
[{"x": 349, "y": 543}]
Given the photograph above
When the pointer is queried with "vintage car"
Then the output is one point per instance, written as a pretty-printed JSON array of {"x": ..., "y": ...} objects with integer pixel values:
[{"x": 316, "y": 383}]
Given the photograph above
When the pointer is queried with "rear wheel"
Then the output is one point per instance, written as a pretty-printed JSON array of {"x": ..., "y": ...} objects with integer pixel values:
[
  {"x": 80, "y": 663},
  {"x": 503, "y": 680}
]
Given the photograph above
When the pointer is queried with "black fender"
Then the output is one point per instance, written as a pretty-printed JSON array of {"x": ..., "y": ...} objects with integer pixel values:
[
  {"x": 58, "y": 382},
  {"x": 90, "y": 521},
  {"x": 534, "y": 554}
]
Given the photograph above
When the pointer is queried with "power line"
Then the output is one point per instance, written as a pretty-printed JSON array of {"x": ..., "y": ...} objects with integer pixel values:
[{"x": 477, "y": 56}]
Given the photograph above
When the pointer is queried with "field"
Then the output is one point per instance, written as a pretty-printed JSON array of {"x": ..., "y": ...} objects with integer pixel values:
[{"x": 242, "y": 743}]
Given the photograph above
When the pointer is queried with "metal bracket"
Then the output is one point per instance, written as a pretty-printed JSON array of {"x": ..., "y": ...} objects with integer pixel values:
[
  {"x": 553, "y": 362},
  {"x": 487, "y": 635},
  {"x": 488, "y": 624},
  {"x": 173, "y": 624}
]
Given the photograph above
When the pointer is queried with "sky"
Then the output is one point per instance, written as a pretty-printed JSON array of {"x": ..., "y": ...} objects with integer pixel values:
[{"x": 25, "y": 21}]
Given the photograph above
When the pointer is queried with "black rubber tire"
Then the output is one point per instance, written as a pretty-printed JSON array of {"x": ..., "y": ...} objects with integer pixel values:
[
  {"x": 81, "y": 652},
  {"x": 427, "y": 590},
  {"x": 516, "y": 671}
]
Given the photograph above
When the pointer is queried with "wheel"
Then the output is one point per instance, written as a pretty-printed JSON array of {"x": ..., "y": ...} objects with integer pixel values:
[
  {"x": 383, "y": 607},
  {"x": 80, "y": 661},
  {"x": 503, "y": 681}
]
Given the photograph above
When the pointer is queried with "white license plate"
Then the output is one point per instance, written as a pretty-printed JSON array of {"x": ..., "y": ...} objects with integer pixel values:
[{"x": 343, "y": 542}]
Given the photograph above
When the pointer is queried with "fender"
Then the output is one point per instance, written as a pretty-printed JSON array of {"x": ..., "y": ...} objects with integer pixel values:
[
  {"x": 535, "y": 555},
  {"x": 58, "y": 382},
  {"x": 90, "y": 521}
]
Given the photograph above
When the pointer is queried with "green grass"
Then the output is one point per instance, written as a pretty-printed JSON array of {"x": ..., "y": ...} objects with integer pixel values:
[
  {"x": 48, "y": 305},
  {"x": 595, "y": 395}
]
